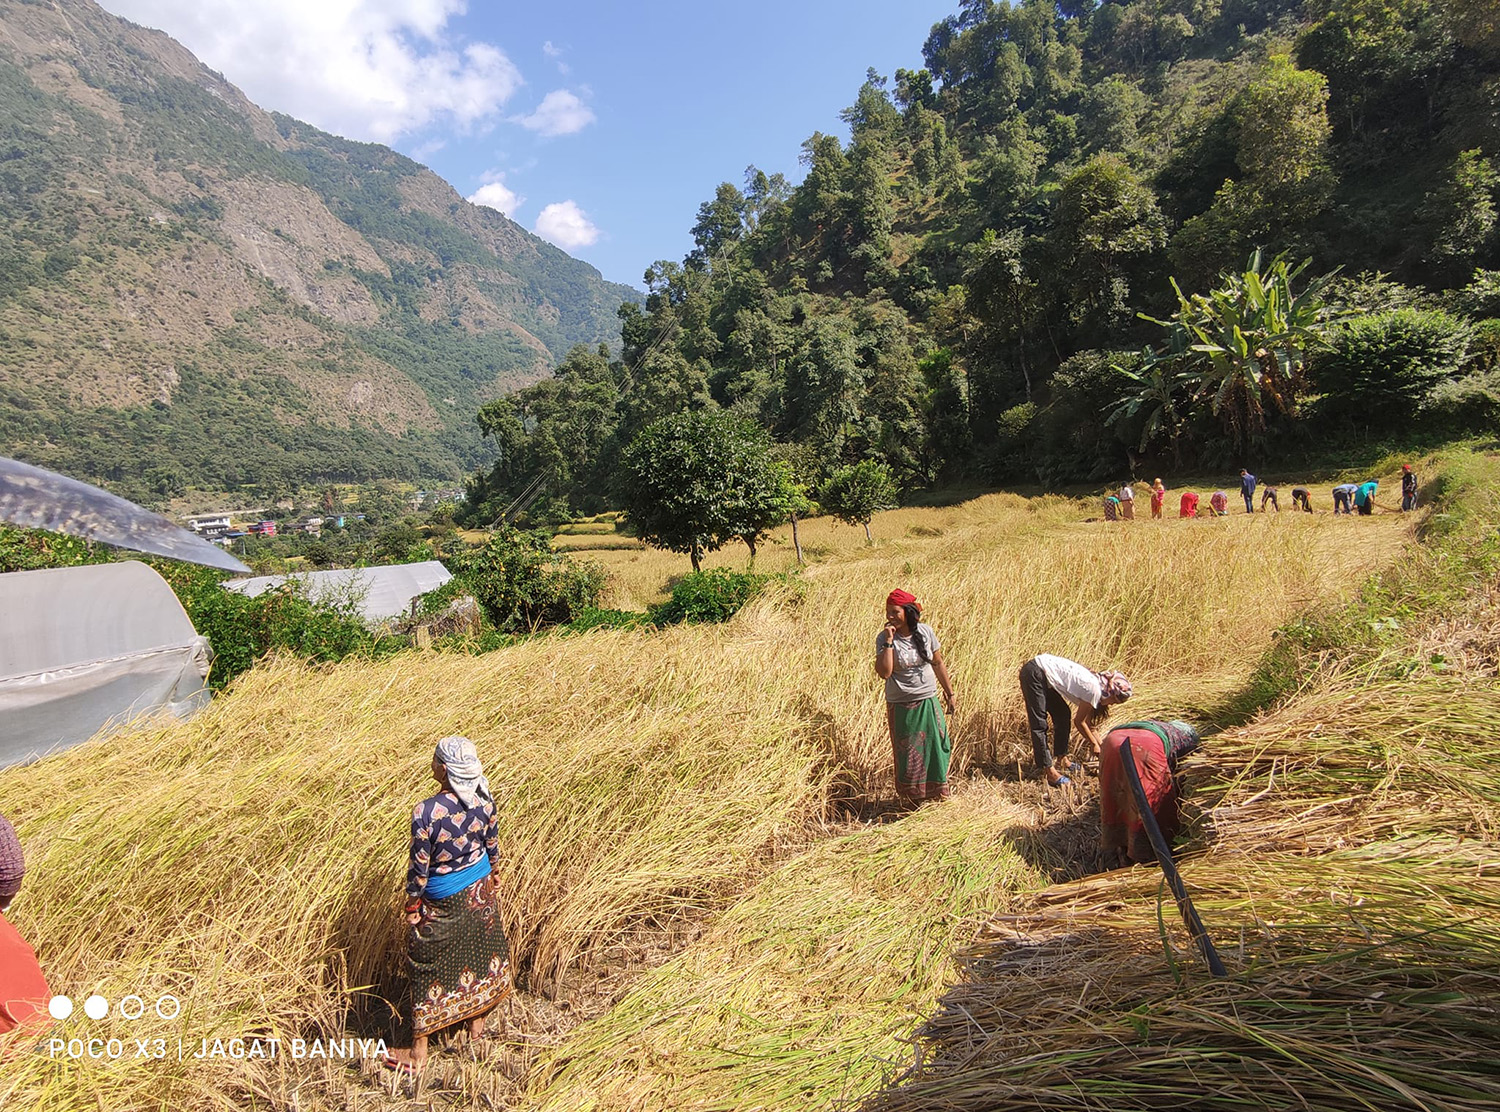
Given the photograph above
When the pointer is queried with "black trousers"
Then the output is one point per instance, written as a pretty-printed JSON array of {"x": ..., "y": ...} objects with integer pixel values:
[{"x": 1044, "y": 701}]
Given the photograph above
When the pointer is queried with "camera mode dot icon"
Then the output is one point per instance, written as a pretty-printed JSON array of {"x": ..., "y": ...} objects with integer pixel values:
[
  {"x": 59, "y": 1007},
  {"x": 96, "y": 1007}
]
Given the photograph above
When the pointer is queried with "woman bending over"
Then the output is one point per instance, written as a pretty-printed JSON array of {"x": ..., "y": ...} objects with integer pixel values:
[{"x": 1070, "y": 695}]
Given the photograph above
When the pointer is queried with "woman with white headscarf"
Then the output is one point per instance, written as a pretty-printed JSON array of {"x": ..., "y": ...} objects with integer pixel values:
[
  {"x": 1071, "y": 695},
  {"x": 460, "y": 967}
]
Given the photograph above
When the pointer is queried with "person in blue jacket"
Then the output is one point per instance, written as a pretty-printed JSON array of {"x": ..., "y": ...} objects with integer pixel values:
[
  {"x": 1247, "y": 489},
  {"x": 1364, "y": 497}
]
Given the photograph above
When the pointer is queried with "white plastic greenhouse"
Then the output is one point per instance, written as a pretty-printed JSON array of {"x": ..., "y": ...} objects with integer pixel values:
[
  {"x": 88, "y": 648},
  {"x": 379, "y": 594}
]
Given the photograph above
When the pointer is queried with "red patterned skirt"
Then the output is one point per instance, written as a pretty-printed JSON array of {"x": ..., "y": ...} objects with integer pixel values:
[{"x": 460, "y": 960}]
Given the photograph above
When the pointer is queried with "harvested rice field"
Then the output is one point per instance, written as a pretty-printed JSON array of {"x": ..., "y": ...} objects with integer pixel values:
[{"x": 711, "y": 899}]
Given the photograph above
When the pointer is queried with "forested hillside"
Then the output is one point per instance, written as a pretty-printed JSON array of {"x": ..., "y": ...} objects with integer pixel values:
[
  {"x": 962, "y": 289},
  {"x": 196, "y": 292}
]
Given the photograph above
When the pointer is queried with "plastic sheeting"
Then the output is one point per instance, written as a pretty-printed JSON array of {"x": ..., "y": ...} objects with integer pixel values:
[
  {"x": 88, "y": 648},
  {"x": 381, "y": 593}
]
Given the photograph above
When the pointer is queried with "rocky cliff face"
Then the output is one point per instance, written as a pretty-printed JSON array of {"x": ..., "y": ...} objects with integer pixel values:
[{"x": 193, "y": 290}]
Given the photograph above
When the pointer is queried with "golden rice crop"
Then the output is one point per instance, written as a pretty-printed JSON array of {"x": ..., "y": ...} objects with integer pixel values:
[
  {"x": 801, "y": 992},
  {"x": 1353, "y": 889},
  {"x": 1358, "y": 980},
  {"x": 251, "y": 860}
]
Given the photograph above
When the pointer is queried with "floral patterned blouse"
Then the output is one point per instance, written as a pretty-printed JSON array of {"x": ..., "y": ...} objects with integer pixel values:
[{"x": 446, "y": 837}]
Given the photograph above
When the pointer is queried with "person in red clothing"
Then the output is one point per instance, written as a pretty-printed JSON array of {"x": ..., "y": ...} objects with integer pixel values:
[
  {"x": 24, "y": 994},
  {"x": 1189, "y": 506},
  {"x": 1156, "y": 746}
]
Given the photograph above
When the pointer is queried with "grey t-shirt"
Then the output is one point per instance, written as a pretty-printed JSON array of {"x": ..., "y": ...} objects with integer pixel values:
[{"x": 912, "y": 679}]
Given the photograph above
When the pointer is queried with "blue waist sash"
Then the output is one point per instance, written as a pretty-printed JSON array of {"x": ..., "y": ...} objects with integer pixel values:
[{"x": 442, "y": 885}]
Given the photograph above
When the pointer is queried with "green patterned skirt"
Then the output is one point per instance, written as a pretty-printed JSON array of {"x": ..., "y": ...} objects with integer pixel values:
[
  {"x": 920, "y": 745},
  {"x": 460, "y": 960}
]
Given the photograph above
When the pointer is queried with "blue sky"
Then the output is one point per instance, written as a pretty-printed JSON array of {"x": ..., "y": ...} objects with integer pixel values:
[{"x": 599, "y": 125}]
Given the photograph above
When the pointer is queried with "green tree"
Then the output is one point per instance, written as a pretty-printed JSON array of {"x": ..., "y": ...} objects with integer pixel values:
[
  {"x": 856, "y": 493},
  {"x": 1279, "y": 127},
  {"x": 720, "y": 223},
  {"x": 1460, "y": 213},
  {"x": 692, "y": 482},
  {"x": 1105, "y": 226}
]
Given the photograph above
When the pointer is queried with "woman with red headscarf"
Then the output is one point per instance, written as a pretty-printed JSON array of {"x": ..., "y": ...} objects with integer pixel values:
[{"x": 908, "y": 658}]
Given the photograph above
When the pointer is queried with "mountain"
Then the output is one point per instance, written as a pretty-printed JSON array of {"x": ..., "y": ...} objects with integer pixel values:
[{"x": 195, "y": 292}]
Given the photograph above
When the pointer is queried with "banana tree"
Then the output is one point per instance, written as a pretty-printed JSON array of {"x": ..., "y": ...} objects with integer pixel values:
[
  {"x": 1152, "y": 401},
  {"x": 1248, "y": 341}
]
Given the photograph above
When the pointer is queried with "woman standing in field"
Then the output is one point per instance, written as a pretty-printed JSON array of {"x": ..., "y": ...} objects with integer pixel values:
[
  {"x": 460, "y": 960},
  {"x": 907, "y": 657},
  {"x": 1070, "y": 695},
  {"x": 1158, "y": 498}
]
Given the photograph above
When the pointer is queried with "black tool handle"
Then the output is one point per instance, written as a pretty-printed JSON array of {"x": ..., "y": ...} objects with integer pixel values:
[{"x": 1164, "y": 855}]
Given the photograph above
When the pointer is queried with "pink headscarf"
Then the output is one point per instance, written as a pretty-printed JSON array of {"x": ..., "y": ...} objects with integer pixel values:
[{"x": 1116, "y": 687}]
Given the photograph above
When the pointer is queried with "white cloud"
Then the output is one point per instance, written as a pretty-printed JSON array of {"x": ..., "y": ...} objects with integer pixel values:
[
  {"x": 551, "y": 51},
  {"x": 566, "y": 225},
  {"x": 497, "y": 196},
  {"x": 367, "y": 69},
  {"x": 560, "y": 113}
]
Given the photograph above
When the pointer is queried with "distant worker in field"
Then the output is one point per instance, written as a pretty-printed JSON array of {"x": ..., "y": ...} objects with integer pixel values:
[
  {"x": 1301, "y": 499},
  {"x": 1218, "y": 504},
  {"x": 1070, "y": 695},
  {"x": 1111, "y": 507},
  {"x": 1158, "y": 498},
  {"x": 1247, "y": 490},
  {"x": 908, "y": 657},
  {"x": 1155, "y": 746},
  {"x": 1268, "y": 494},
  {"x": 1343, "y": 498},
  {"x": 24, "y": 993},
  {"x": 1364, "y": 497},
  {"x": 1127, "y": 502},
  {"x": 1188, "y": 507},
  {"x": 1408, "y": 488},
  {"x": 456, "y": 946}
]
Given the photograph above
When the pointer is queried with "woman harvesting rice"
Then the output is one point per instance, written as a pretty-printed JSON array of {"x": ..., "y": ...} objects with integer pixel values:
[
  {"x": 460, "y": 968},
  {"x": 907, "y": 657},
  {"x": 1155, "y": 747},
  {"x": 1070, "y": 694}
]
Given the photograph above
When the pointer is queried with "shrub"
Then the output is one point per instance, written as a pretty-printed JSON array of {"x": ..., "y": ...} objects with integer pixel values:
[
  {"x": 242, "y": 629},
  {"x": 1378, "y": 369},
  {"x": 519, "y": 582},
  {"x": 598, "y": 618},
  {"x": 715, "y": 595},
  {"x": 34, "y": 549}
]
